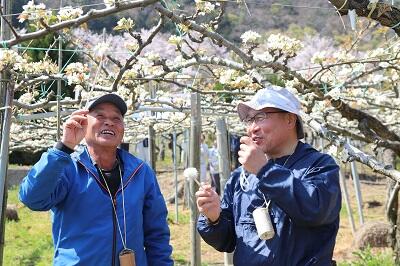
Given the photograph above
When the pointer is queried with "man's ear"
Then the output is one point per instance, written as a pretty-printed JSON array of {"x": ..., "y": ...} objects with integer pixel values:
[{"x": 292, "y": 118}]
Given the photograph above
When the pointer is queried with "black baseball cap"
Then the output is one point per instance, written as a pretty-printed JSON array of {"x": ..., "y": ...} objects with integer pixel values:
[{"x": 110, "y": 98}]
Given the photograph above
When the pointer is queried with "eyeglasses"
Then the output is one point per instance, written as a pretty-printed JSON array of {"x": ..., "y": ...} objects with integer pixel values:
[{"x": 248, "y": 121}]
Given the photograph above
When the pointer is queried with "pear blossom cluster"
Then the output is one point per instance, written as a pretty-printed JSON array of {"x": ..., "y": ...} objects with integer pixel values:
[
  {"x": 204, "y": 7},
  {"x": 68, "y": 12},
  {"x": 76, "y": 73},
  {"x": 283, "y": 44},
  {"x": 125, "y": 24},
  {"x": 33, "y": 12},
  {"x": 250, "y": 38},
  {"x": 10, "y": 59}
]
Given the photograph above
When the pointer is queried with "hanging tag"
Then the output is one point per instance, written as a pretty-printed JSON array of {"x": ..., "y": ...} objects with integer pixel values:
[
  {"x": 353, "y": 16},
  {"x": 127, "y": 257}
]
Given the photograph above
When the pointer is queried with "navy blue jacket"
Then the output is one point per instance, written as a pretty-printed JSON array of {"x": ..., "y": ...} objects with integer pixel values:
[
  {"x": 85, "y": 231},
  {"x": 305, "y": 204}
]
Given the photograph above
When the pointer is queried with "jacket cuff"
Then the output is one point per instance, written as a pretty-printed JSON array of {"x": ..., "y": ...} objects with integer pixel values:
[
  {"x": 60, "y": 146},
  {"x": 215, "y": 222},
  {"x": 264, "y": 169}
]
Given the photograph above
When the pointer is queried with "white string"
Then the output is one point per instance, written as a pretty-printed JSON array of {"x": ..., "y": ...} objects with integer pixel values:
[
  {"x": 244, "y": 181},
  {"x": 112, "y": 203},
  {"x": 265, "y": 202},
  {"x": 123, "y": 202}
]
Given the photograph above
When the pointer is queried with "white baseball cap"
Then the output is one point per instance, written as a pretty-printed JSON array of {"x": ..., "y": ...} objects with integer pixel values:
[{"x": 275, "y": 97}]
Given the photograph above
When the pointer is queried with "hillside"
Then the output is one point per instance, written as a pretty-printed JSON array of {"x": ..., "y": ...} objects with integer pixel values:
[{"x": 261, "y": 15}]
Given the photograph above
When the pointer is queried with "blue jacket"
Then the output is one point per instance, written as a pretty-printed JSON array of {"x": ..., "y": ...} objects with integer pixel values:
[
  {"x": 305, "y": 203},
  {"x": 84, "y": 227}
]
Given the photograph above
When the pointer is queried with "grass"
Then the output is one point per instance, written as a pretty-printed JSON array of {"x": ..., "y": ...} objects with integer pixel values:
[
  {"x": 369, "y": 258},
  {"x": 27, "y": 242}
]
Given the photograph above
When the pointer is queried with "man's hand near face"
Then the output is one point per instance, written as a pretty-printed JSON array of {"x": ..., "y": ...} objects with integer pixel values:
[
  {"x": 251, "y": 156},
  {"x": 75, "y": 128}
]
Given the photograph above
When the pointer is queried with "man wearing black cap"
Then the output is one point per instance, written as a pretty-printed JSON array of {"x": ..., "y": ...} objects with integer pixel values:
[
  {"x": 106, "y": 204},
  {"x": 281, "y": 207}
]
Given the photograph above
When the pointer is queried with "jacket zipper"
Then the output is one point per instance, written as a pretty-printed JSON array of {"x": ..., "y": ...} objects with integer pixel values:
[{"x": 114, "y": 246}]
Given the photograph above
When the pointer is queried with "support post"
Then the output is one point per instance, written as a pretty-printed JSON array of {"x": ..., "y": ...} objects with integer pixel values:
[
  {"x": 152, "y": 135},
  {"x": 357, "y": 188},
  {"x": 224, "y": 167},
  {"x": 174, "y": 157},
  {"x": 6, "y": 100},
  {"x": 4, "y": 149},
  {"x": 59, "y": 84},
  {"x": 345, "y": 194},
  {"x": 194, "y": 161}
]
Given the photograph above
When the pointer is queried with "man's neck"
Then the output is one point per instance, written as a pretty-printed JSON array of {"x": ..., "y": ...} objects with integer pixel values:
[
  {"x": 287, "y": 149},
  {"x": 103, "y": 157}
]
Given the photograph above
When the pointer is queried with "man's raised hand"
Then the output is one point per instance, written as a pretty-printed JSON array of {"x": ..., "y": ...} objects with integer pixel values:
[{"x": 75, "y": 128}]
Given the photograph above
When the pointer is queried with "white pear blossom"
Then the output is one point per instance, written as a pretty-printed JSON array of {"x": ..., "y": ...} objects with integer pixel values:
[
  {"x": 109, "y": 3},
  {"x": 45, "y": 66},
  {"x": 250, "y": 37},
  {"x": 77, "y": 73},
  {"x": 101, "y": 49},
  {"x": 175, "y": 40},
  {"x": 227, "y": 76},
  {"x": 32, "y": 11},
  {"x": 286, "y": 45},
  {"x": 69, "y": 12},
  {"x": 28, "y": 97},
  {"x": 125, "y": 24},
  {"x": 204, "y": 7},
  {"x": 10, "y": 58}
]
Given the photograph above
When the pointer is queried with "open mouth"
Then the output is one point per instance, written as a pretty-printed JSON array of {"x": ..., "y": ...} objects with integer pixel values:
[{"x": 108, "y": 132}]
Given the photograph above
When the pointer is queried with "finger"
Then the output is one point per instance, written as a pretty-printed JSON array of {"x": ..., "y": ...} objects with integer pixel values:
[
  {"x": 80, "y": 112},
  {"x": 72, "y": 124},
  {"x": 78, "y": 117},
  {"x": 205, "y": 186},
  {"x": 242, "y": 154},
  {"x": 244, "y": 147},
  {"x": 206, "y": 207},
  {"x": 246, "y": 140},
  {"x": 200, "y": 193}
]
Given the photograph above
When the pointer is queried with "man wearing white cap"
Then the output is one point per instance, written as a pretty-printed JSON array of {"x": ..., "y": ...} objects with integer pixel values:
[{"x": 294, "y": 187}]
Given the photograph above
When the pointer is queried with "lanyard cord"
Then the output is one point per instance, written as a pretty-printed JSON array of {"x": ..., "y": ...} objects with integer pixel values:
[
  {"x": 123, "y": 239},
  {"x": 244, "y": 180}
]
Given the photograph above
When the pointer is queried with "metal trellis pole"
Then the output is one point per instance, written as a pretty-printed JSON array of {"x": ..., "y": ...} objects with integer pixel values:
[
  {"x": 175, "y": 174},
  {"x": 6, "y": 100},
  {"x": 59, "y": 84},
  {"x": 345, "y": 194},
  {"x": 224, "y": 167},
  {"x": 4, "y": 161},
  {"x": 194, "y": 151}
]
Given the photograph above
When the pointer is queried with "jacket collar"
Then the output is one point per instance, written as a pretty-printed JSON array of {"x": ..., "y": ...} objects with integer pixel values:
[
  {"x": 129, "y": 162},
  {"x": 302, "y": 150}
]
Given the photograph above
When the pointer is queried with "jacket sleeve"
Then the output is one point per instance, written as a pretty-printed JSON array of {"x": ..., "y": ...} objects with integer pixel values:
[
  {"x": 46, "y": 183},
  {"x": 222, "y": 235},
  {"x": 155, "y": 226},
  {"x": 310, "y": 200}
]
